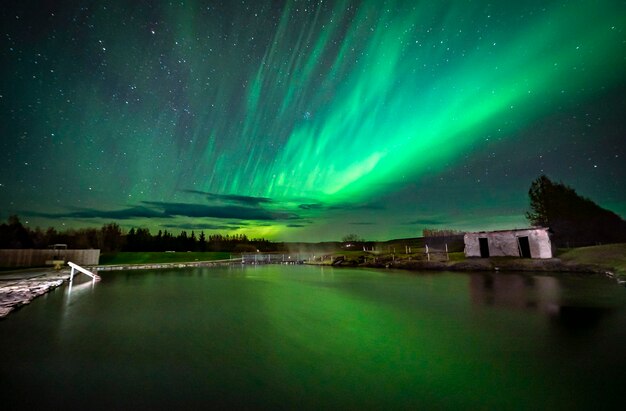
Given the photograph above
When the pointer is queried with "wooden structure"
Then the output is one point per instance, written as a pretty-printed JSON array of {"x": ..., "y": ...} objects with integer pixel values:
[{"x": 51, "y": 256}]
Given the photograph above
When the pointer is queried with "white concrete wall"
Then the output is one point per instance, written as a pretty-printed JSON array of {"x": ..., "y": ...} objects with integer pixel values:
[
  {"x": 472, "y": 247},
  {"x": 540, "y": 244},
  {"x": 505, "y": 243}
]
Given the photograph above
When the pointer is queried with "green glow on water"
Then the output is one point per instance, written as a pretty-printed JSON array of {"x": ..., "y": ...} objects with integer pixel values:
[{"x": 278, "y": 336}]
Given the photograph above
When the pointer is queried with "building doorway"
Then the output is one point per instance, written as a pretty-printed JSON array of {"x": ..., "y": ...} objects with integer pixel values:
[
  {"x": 524, "y": 247},
  {"x": 484, "y": 247}
]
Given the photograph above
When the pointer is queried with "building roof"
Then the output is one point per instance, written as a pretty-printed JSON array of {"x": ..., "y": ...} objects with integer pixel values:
[{"x": 510, "y": 231}]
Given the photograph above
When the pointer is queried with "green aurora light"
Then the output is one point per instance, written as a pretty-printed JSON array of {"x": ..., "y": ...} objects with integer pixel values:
[{"x": 310, "y": 109}]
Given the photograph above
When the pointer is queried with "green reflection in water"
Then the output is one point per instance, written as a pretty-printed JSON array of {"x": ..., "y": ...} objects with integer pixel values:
[{"x": 286, "y": 337}]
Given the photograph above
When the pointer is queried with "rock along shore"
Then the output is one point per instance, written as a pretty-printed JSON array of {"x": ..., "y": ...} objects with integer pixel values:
[
  {"x": 19, "y": 289},
  {"x": 159, "y": 266},
  {"x": 553, "y": 265}
]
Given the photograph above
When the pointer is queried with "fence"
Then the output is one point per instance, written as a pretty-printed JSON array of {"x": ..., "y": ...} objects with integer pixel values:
[
  {"x": 432, "y": 252},
  {"x": 38, "y": 258},
  {"x": 273, "y": 258}
]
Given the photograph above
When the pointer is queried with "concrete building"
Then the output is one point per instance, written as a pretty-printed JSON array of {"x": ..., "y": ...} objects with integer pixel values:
[{"x": 526, "y": 243}]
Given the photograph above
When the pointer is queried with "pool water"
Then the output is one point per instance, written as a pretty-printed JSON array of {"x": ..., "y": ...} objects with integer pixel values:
[{"x": 306, "y": 337}]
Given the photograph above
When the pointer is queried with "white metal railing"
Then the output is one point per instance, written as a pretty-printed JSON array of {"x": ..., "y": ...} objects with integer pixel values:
[{"x": 96, "y": 277}]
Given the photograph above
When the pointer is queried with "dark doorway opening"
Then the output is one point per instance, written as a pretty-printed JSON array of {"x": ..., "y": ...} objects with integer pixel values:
[
  {"x": 524, "y": 247},
  {"x": 484, "y": 247}
]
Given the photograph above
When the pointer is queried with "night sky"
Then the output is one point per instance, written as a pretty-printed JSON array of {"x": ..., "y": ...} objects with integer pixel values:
[{"x": 307, "y": 120}]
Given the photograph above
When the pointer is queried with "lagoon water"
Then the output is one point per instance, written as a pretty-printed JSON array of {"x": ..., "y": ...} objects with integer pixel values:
[{"x": 302, "y": 337}]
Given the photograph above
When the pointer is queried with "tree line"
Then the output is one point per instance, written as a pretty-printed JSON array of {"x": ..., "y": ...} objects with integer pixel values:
[
  {"x": 111, "y": 238},
  {"x": 574, "y": 220}
]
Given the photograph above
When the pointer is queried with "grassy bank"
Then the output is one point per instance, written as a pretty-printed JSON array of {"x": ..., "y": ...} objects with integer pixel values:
[
  {"x": 596, "y": 259},
  {"x": 611, "y": 257},
  {"x": 160, "y": 257}
]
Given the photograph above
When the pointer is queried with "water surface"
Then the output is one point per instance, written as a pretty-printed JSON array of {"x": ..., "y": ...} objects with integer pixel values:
[{"x": 310, "y": 337}]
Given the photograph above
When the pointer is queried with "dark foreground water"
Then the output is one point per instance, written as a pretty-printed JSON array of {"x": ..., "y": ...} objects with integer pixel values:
[{"x": 310, "y": 337}]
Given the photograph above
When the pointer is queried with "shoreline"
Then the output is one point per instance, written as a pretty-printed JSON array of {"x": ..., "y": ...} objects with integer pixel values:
[
  {"x": 159, "y": 266},
  {"x": 552, "y": 265},
  {"x": 19, "y": 288}
]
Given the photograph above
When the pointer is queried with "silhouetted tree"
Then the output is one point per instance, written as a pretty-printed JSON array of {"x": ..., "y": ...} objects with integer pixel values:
[
  {"x": 110, "y": 237},
  {"x": 202, "y": 242},
  {"x": 182, "y": 241},
  {"x": 541, "y": 196},
  {"x": 351, "y": 238},
  {"x": 84, "y": 238},
  {"x": 575, "y": 220},
  {"x": 192, "y": 243},
  {"x": 14, "y": 234}
]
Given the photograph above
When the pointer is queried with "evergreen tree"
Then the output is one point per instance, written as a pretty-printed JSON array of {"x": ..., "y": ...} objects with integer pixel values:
[
  {"x": 202, "y": 242},
  {"x": 110, "y": 237},
  {"x": 14, "y": 234},
  {"x": 575, "y": 220}
]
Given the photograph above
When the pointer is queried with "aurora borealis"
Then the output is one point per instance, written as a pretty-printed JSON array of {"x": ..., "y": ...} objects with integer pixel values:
[{"x": 307, "y": 120}]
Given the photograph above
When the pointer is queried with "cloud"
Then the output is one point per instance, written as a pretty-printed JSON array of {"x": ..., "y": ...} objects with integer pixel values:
[
  {"x": 341, "y": 206},
  {"x": 201, "y": 226},
  {"x": 157, "y": 209},
  {"x": 246, "y": 200},
  {"x": 296, "y": 225},
  {"x": 363, "y": 206},
  {"x": 312, "y": 206},
  {"x": 213, "y": 211},
  {"x": 123, "y": 214},
  {"x": 362, "y": 223},
  {"x": 427, "y": 222}
]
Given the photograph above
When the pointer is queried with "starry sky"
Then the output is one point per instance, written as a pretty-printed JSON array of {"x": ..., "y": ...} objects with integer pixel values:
[{"x": 306, "y": 120}]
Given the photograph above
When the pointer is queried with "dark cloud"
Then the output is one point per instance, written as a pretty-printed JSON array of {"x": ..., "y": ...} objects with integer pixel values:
[
  {"x": 246, "y": 200},
  {"x": 297, "y": 225},
  {"x": 156, "y": 209},
  {"x": 213, "y": 211},
  {"x": 243, "y": 223},
  {"x": 124, "y": 214},
  {"x": 341, "y": 206},
  {"x": 362, "y": 223},
  {"x": 362, "y": 206},
  {"x": 313, "y": 206},
  {"x": 427, "y": 222},
  {"x": 191, "y": 226}
]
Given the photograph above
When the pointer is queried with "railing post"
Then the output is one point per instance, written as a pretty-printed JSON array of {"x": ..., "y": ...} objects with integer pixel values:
[{"x": 82, "y": 270}]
